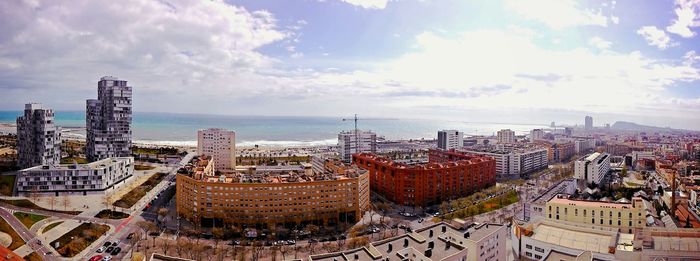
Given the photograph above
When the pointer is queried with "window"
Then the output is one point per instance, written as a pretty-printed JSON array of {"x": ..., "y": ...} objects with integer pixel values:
[{"x": 528, "y": 246}]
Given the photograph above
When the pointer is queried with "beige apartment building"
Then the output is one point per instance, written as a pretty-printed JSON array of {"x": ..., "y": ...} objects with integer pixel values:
[
  {"x": 271, "y": 198},
  {"x": 625, "y": 216}
]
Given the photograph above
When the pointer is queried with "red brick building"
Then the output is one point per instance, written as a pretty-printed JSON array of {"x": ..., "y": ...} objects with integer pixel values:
[{"x": 448, "y": 175}]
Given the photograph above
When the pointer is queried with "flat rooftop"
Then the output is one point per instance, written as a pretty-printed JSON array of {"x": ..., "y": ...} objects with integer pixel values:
[
  {"x": 599, "y": 243},
  {"x": 87, "y": 166}
]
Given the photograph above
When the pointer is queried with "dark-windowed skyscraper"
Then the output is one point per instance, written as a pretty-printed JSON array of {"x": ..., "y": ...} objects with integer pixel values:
[{"x": 108, "y": 120}]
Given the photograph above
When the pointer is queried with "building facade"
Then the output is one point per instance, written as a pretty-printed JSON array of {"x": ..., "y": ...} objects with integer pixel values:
[
  {"x": 588, "y": 123},
  {"x": 536, "y": 134},
  {"x": 513, "y": 161},
  {"x": 351, "y": 142},
  {"x": 271, "y": 198},
  {"x": 506, "y": 136},
  {"x": 219, "y": 144},
  {"x": 38, "y": 138},
  {"x": 584, "y": 145},
  {"x": 108, "y": 120},
  {"x": 626, "y": 216},
  {"x": 442, "y": 241},
  {"x": 95, "y": 176},
  {"x": 450, "y": 139},
  {"x": 448, "y": 175},
  {"x": 592, "y": 168}
]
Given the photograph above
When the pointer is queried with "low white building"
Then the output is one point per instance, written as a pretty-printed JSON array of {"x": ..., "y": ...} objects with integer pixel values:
[
  {"x": 592, "y": 168},
  {"x": 91, "y": 177},
  {"x": 583, "y": 146}
]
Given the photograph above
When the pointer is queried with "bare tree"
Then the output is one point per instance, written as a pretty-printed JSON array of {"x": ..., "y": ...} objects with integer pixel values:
[
  {"x": 106, "y": 202},
  {"x": 146, "y": 226},
  {"x": 52, "y": 202},
  {"x": 164, "y": 245},
  {"x": 284, "y": 250},
  {"x": 34, "y": 194},
  {"x": 65, "y": 200},
  {"x": 135, "y": 241},
  {"x": 217, "y": 235}
]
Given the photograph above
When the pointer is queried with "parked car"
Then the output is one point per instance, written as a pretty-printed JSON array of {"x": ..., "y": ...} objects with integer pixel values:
[
  {"x": 106, "y": 244},
  {"x": 101, "y": 249},
  {"x": 109, "y": 249},
  {"x": 291, "y": 242},
  {"x": 96, "y": 258},
  {"x": 107, "y": 258},
  {"x": 130, "y": 236},
  {"x": 115, "y": 243},
  {"x": 116, "y": 251},
  {"x": 313, "y": 241}
]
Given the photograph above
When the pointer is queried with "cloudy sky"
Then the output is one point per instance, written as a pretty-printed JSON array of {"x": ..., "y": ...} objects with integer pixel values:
[{"x": 497, "y": 60}]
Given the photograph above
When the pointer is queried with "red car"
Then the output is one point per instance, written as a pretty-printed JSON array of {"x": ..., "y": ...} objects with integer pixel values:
[{"x": 96, "y": 258}]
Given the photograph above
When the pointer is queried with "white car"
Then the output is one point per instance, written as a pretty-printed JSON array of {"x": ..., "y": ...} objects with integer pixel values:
[
  {"x": 101, "y": 249},
  {"x": 106, "y": 258}
]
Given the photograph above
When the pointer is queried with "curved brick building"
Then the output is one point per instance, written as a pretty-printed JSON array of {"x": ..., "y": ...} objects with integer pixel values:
[{"x": 448, "y": 175}]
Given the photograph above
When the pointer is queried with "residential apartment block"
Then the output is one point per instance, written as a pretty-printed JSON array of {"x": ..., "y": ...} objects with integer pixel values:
[
  {"x": 448, "y": 175},
  {"x": 95, "y": 176},
  {"x": 514, "y": 160},
  {"x": 270, "y": 198},
  {"x": 592, "y": 168},
  {"x": 219, "y": 144},
  {"x": 450, "y": 139},
  {"x": 506, "y": 136},
  {"x": 108, "y": 120},
  {"x": 351, "y": 142},
  {"x": 38, "y": 138},
  {"x": 536, "y": 134}
]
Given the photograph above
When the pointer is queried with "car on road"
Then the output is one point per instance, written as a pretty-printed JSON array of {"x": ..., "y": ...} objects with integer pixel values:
[
  {"x": 96, "y": 258},
  {"x": 313, "y": 241},
  {"x": 116, "y": 251},
  {"x": 101, "y": 249},
  {"x": 130, "y": 236},
  {"x": 291, "y": 242}
]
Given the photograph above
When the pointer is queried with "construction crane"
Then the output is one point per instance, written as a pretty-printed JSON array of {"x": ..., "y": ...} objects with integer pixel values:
[{"x": 357, "y": 133}]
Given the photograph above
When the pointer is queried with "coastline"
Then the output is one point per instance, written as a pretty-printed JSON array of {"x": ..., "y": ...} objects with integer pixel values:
[{"x": 77, "y": 134}]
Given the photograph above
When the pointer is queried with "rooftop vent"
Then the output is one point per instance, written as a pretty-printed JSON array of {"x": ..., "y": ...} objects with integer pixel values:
[
  {"x": 405, "y": 242},
  {"x": 389, "y": 247},
  {"x": 444, "y": 229},
  {"x": 466, "y": 235}
]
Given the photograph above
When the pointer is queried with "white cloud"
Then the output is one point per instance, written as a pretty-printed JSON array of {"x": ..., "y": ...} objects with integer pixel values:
[
  {"x": 483, "y": 69},
  {"x": 600, "y": 43},
  {"x": 557, "y": 14},
  {"x": 368, "y": 4},
  {"x": 687, "y": 16},
  {"x": 655, "y": 37}
]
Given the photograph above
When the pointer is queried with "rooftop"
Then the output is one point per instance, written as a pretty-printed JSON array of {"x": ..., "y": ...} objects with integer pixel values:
[
  {"x": 198, "y": 167},
  {"x": 565, "y": 200},
  {"x": 74, "y": 166}
]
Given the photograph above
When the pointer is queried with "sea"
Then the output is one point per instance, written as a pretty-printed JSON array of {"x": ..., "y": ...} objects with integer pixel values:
[{"x": 283, "y": 131}]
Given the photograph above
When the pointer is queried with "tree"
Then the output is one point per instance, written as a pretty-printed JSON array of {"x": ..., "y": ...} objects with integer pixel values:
[
  {"x": 313, "y": 229},
  {"x": 356, "y": 242},
  {"x": 162, "y": 213},
  {"x": 52, "y": 202},
  {"x": 135, "y": 241},
  {"x": 106, "y": 202},
  {"x": 65, "y": 200},
  {"x": 164, "y": 245},
  {"x": 34, "y": 194},
  {"x": 145, "y": 226},
  {"x": 217, "y": 235}
]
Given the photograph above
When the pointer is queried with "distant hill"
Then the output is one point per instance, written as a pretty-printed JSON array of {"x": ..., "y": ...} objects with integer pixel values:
[{"x": 631, "y": 126}]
